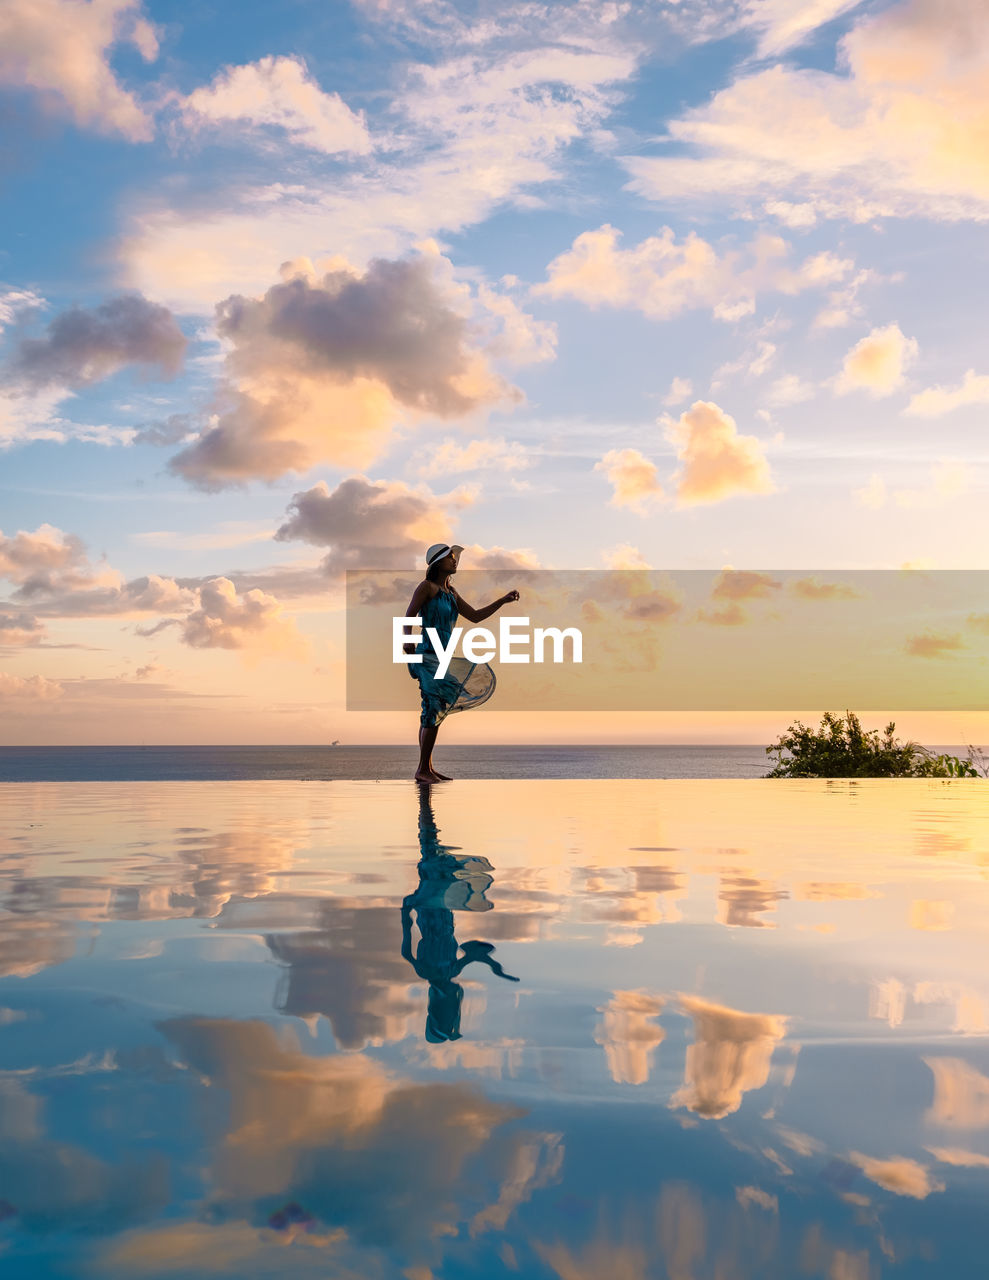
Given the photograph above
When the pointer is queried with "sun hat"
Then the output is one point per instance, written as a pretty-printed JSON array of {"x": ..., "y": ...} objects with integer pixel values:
[{"x": 440, "y": 549}]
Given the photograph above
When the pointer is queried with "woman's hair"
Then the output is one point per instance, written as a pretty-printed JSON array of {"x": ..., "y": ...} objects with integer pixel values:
[{"x": 435, "y": 573}]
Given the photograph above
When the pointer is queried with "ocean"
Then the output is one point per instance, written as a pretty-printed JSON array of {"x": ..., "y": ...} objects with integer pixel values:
[{"x": 325, "y": 764}]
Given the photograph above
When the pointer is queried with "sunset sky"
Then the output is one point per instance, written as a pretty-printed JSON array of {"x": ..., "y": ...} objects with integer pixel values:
[{"x": 286, "y": 290}]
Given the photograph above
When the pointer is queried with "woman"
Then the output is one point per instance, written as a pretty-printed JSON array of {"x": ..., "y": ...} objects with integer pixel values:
[{"x": 466, "y": 684}]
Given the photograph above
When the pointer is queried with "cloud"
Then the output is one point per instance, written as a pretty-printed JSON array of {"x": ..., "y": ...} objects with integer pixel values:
[
  {"x": 322, "y": 368},
  {"x": 782, "y": 24},
  {"x": 932, "y": 402},
  {"x": 61, "y": 49},
  {"x": 680, "y": 390},
  {"x": 730, "y": 1055},
  {"x": 473, "y": 133},
  {"x": 36, "y": 688},
  {"x": 84, "y": 345},
  {"x": 790, "y": 389},
  {"x": 381, "y": 524},
  {"x": 43, "y": 558},
  {"x": 495, "y": 454},
  {"x": 254, "y": 621},
  {"x": 15, "y": 302},
  {"x": 228, "y": 533},
  {"x": 625, "y": 556},
  {"x": 630, "y": 1035},
  {"x": 872, "y": 495},
  {"x": 632, "y": 477},
  {"x": 744, "y": 584},
  {"x": 898, "y": 130},
  {"x": 812, "y": 589},
  {"x": 19, "y": 628},
  {"x": 278, "y": 92},
  {"x": 900, "y": 1175},
  {"x": 933, "y": 646},
  {"x": 877, "y": 362},
  {"x": 662, "y": 278},
  {"x": 716, "y": 461}
]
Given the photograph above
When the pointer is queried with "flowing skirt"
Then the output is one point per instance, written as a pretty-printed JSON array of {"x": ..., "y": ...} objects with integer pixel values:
[{"x": 465, "y": 685}]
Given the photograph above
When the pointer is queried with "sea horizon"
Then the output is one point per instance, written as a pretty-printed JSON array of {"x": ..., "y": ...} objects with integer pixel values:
[{"x": 385, "y": 761}]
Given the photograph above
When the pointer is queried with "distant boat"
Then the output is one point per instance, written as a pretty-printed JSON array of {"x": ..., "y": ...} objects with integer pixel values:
[{"x": 335, "y": 743}]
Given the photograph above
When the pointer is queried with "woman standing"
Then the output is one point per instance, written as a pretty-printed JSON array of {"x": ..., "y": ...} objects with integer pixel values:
[{"x": 466, "y": 684}]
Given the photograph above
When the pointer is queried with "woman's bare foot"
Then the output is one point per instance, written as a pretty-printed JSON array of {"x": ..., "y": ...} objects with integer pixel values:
[
  {"x": 428, "y": 775},
  {"x": 443, "y": 777}
]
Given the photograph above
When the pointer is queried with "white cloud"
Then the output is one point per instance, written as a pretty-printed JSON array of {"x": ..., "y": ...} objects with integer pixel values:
[
  {"x": 932, "y": 402},
  {"x": 15, "y": 301},
  {"x": 782, "y": 24},
  {"x": 662, "y": 278},
  {"x": 278, "y": 92},
  {"x": 680, "y": 390},
  {"x": 61, "y": 49},
  {"x": 948, "y": 480},
  {"x": 474, "y": 132},
  {"x": 495, "y": 454},
  {"x": 790, "y": 389},
  {"x": 877, "y": 362},
  {"x": 898, "y": 130}
]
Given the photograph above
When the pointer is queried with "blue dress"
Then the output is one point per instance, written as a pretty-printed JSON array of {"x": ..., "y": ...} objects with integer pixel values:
[{"x": 466, "y": 684}]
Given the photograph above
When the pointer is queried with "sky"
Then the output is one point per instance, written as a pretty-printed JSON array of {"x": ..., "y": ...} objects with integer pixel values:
[{"x": 286, "y": 292}]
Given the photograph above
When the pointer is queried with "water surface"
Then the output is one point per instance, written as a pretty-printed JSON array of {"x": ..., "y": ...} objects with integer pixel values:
[{"x": 564, "y": 1029}]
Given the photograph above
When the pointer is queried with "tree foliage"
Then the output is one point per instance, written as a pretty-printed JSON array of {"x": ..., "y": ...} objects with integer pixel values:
[{"x": 841, "y": 748}]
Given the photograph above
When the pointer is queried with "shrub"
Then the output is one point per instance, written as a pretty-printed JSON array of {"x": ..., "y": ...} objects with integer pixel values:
[{"x": 841, "y": 748}]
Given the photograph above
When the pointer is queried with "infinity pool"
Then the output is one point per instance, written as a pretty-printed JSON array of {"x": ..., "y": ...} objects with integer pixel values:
[{"x": 606, "y": 1030}]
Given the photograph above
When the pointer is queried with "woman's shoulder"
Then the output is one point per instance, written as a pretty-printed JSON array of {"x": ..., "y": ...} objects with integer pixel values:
[{"x": 428, "y": 588}]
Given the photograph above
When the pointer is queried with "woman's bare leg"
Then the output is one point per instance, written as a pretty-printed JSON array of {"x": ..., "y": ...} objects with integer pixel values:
[
  {"x": 426, "y": 772},
  {"x": 443, "y": 777}
]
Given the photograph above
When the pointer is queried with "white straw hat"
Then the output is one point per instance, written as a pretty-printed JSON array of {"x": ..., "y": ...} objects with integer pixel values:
[{"x": 440, "y": 549}]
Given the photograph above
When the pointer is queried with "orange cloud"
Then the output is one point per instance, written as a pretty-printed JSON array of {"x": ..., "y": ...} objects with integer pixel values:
[
  {"x": 632, "y": 477},
  {"x": 323, "y": 368},
  {"x": 933, "y": 646},
  {"x": 877, "y": 363},
  {"x": 253, "y": 621},
  {"x": 716, "y": 461}
]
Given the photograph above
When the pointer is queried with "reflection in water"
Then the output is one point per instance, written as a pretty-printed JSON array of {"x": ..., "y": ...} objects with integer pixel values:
[
  {"x": 447, "y": 883},
  {"x": 629, "y": 1033},
  {"x": 730, "y": 1055},
  {"x": 165, "y": 1116}
]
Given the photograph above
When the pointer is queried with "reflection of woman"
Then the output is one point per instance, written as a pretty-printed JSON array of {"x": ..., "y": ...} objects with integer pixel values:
[
  {"x": 466, "y": 684},
  {"x": 447, "y": 883}
]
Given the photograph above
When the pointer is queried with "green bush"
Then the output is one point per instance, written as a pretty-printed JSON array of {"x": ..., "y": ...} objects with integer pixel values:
[{"x": 841, "y": 748}]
